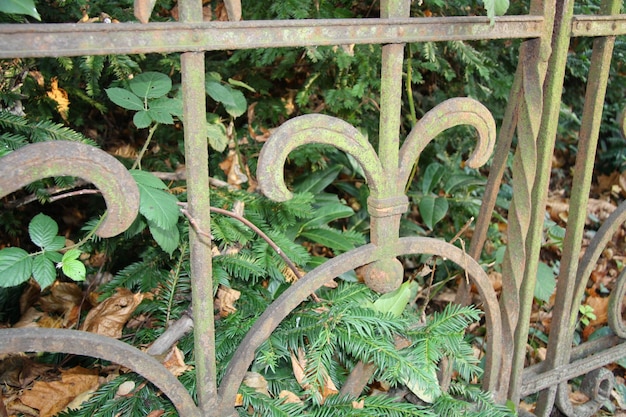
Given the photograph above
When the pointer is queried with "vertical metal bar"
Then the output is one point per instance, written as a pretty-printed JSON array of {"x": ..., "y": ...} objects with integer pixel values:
[
  {"x": 519, "y": 264},
  {"x": 568, "y": 295},
  {"x": 387, "y": 205},
  {"x": 196, "y": 160}
]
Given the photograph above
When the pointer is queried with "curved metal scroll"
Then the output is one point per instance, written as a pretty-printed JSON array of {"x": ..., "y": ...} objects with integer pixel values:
[
  {"x": 96, "y": 346},
  {"x": 597, "y": 385},
  {"x": 290, "y": 299},
  {"x": 58, "y": 158},
  {"x": 313, "y": 128},
  {"x": 450, "y": 113}
]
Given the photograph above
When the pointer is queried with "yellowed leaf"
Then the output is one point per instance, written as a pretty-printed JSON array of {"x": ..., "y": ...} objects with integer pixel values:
[
  {"x": 358, "y": 404},
  {"x": 60, "y": 96},
  {"x": 109, "y": 317},
  {"x": 600, "y": 307}
]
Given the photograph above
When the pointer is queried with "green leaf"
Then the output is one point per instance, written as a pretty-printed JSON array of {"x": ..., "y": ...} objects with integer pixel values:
[
  {"x": 216, "y": 134},
  {"x": 72, "y": 267},
  {"x": 240, "y": 104},
  {"x": 327, "y": 213},
  {"x": 328, "y": 237},
  {"x": 433, "y": 209},
  {"x": 147, "y": 179},
  {"x": 496, "y": 8},
  {"x": 43, "y": 230},
  {"x": 220, "y": 93},
  {"x": 432, "y": 175},
  {"x": 26, "y": 7},
  {"x": 44, "y": 271},
  {"x": 461, "y": 181},
  {"x": 158, "y": 206},
  {"x": 396, "y": 301},
  {"x": 57, "y": 243},
  {"x": 142, "y": 119},
  {"x": 427, "y": 393},
  {"x": 318, "y": 181},
  {"x": 124, "y": 98},
  {"x": 150, "y": 84},
  {"x": 168, "y": 239},
  {"x": 546, "y": 282},
  {"x": 54, "y": 257},
  {"x": 160, "y": 116},
  {"x": 16, "y": 266},
  {"x": 238, "y": 83}
]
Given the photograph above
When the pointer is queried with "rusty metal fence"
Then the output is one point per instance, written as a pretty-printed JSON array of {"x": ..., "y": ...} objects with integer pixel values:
[{"x": 532, "y": 116}]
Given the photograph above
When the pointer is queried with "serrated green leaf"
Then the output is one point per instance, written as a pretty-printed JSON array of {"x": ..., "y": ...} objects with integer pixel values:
[
  {"x": 147, "y": 179},
  {"x": 26, "y": 7},
  {"x": 433, "y": 209},
  {"x": 42, "y": 230},
  {"x": 16, "y": 266},
  {"x": 54, "y": 257},
  {"x": 142, "y": 119},
  {"x": 240, "y": 104},
  {"x": 74, "y": 269},
  {"x": 124, "y": 98},
  {"x": 328, "y": 237},
  {"x": 70, "y": 255},
  {"x": 220, "y": 93},
  {"x": 546, "y": 282},
  {"x": 167, "y": 239},
  {"x": 395, "y": 302},
  {"x": 216, "y": 134},
  {"x": 44, "y": 271},
  {"x": 160, "y": 116},
  {"x": 57, "y": 243},
  {"x": 238, "y": 83},
  {"x": 150, "y": 84},
  {"x": 158, "y": 206}
]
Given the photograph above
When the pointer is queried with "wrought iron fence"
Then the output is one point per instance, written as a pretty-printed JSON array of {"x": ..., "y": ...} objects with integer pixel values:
[{"x": 532, "y": 115}]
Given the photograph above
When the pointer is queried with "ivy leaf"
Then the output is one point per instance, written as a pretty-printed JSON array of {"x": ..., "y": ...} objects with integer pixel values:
[
  {"x": 43, "y": 230},
  {"x": 44, "y": 271},
  {"x": 433, "y": 209},
  {"x": 26, "y": 7},
  {"x": 72, "y": 267},
  {"x": 150, "y": 84},
  {"x": 16, "y": 266},
  {"x": 168, "y": 239},
  {"x": 395, "y": 302},
  {"x": 124, "y": 98}
]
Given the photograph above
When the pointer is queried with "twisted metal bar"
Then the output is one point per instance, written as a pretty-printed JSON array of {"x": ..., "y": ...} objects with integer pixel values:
[
  {"x": 96, "y": 346},
  {"x": 58, "y": 158},
  {"x": 298, "y": 292}
]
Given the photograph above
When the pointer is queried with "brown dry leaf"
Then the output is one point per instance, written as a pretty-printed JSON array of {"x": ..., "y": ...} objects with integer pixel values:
[
  {"x": 60, "y": 96},
  {"x": 225, "y": 300},
  {"x": 238, "y": 400},
  {"x": 359, "y": 405},
  {"x": 578, "y": 398},
  {"x": 64, "y": 299},
  {"x": 52, "y": 397},
  {"x": 232, "y": 168},
  {"x": 110, "y": 316},
  {"x": 600, "y": 307},
  {"x": 30, "y": 318},
  {"x": 175, "y": 362},
  {"x": 257, "y": 382},
  {"x": 289, "y": 397},
  {"x": 156, "y": 413},
  {"x": 298, "y": 364}
]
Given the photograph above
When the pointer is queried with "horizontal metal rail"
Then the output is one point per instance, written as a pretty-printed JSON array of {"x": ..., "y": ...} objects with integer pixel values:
[{"x": 51, "y": 40}]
